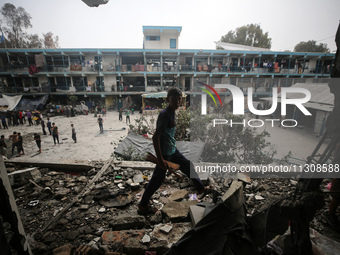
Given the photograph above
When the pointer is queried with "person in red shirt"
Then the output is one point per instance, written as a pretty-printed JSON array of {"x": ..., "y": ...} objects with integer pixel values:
[{"x": 20, "y": 118}]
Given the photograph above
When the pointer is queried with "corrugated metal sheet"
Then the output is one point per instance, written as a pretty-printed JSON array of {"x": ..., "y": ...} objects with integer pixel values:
[
  {"x": 232, "y": 46},
  {"x": 321, "y": 97},
  {"x": 158, "y": 95},
  {"x": 320, "y": 92}
]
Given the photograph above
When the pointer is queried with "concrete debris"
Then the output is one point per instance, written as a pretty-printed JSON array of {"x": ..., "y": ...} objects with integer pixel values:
[
  {"x": 146, "y": 239},
  {"x": 118, "y": 201},
  {"x": 179, "y": 195},
  {"x": 138, "y": 178},
  {"x": 258, "y": 197},
  {"x": 166, "y": 229},
  {"x": 177, "y": 211},
  {"x": 196, "y": 213},
  {"x": 128, "y": 222},
  {"x": 127, "y": 241},
  {"x": 65, "y": 210},
  {"x": 101, "y": 210},
  {"x": 161, "y": 240}
]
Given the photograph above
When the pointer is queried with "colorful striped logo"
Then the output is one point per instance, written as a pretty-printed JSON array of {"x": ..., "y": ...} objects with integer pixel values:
[{"x": 209, "y": 93}]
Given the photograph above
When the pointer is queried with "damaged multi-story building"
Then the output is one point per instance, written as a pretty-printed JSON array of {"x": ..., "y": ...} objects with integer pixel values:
[{"x": 108, "y": 76}]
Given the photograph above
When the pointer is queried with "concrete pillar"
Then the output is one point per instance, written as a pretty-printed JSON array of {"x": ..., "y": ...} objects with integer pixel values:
[{"x": 146, "y": 82}]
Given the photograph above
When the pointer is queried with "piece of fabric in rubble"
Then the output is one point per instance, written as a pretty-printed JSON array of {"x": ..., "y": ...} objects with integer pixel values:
[
  {"x": 136, "y": 145},
  {"x": 220, "y": 232}
]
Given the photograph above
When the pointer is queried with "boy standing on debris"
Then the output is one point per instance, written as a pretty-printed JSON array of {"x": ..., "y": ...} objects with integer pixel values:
[{"x": 165, "y": 147}]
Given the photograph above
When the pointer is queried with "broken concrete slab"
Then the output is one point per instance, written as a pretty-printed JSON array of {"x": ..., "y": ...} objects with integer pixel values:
[
  {"x": 179, "y": 195},
  {"x": 127, "y": 240},
  {"x": 61, "y": 192},
  {"x": 196, "y": 213},
  {"x": 118, "y": 201},
  {"x": 166, "y": 229},
  {"x": 156, "y": 218},
  {"x": 138, "y": 178},
  {"x": 65, "y": 164},
  {"x": 141, "y": 165},
  {"x": 162, "y": 241},
  {"x": 233, "y": 198},
  {"x": 323, "y": 244},
  {"x": 146, "y": 239},
  {"x": 177, "y": 211},
  {"x": 127, "y": 222}
]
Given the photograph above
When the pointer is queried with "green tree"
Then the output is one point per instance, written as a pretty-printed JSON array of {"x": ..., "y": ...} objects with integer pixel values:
[
  {"x": 311, "y": 46},
  {"x": 13, "y": 25},
  {"x": 17, "y": 20},
  {"x": 73, "y": 99},
  {"x": 51, "y": 42},
  {"x": 33, "y": 41},
  {"x": 250, "y": 35}
]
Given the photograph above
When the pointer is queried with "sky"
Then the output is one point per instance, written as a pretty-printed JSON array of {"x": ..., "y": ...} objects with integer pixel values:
[{"x": 118, "y": 24}]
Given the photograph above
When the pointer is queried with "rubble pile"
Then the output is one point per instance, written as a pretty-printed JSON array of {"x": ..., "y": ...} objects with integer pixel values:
[{"x": 100, "y": 211}]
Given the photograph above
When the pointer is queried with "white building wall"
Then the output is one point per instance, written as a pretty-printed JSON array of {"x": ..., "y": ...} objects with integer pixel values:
[
  {"x": 164, "y": 42},
  {"x": 312, "y": 64},
  {"x": 109, "y": 81}
]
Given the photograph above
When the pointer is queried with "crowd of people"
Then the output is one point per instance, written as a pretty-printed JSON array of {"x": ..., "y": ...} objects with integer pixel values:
[
  {"x": 15, "y": 118},
  {"x": 12, "y": 119}
]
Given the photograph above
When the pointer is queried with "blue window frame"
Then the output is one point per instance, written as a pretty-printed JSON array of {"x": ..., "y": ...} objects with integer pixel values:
[
  {"x": 172, "y": 43},
  {"x": 153, "y": 38}
]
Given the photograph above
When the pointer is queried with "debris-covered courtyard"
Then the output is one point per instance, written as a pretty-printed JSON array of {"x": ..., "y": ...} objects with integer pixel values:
[{"x": 76, "y": 195}]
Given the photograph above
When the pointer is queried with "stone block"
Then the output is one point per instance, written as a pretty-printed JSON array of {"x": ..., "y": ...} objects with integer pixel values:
[
  {"x": 196, "y": 213},
  {"x": 233, "y": 198},
  {"x": 127, "y": 240},
  {"x": 127, "y": 222},
  {"x": 177, "y": 211},
  {"x": 161, "y": 241},
  {"x": 178, "y": 195}
]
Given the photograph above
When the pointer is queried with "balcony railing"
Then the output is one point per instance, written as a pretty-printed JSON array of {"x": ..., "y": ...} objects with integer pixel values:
[{"x": 168, "y": 68}]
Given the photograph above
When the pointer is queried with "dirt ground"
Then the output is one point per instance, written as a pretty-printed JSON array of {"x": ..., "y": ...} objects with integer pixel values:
[{"x": 91, "y": 144}]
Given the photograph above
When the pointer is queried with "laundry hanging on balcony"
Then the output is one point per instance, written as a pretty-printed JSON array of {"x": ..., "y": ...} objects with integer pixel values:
[{"x": 33, "y": 69}]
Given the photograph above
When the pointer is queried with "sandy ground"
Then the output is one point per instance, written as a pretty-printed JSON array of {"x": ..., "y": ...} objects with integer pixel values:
[{"x": 91, "y": 145}]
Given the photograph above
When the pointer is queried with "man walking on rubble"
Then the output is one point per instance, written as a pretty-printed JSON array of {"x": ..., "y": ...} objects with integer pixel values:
[{"x": 165, "y": 147}]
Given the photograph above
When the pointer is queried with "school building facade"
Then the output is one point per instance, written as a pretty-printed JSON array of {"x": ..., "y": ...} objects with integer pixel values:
[{"x": 109, "y": 76}]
